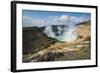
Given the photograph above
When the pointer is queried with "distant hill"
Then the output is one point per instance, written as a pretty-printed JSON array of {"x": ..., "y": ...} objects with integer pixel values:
[{"x": 84, "y": 23}]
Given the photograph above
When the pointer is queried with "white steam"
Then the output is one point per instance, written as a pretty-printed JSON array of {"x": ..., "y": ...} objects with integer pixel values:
[
  {"x": 66, "y": 33},
  {"x": 48, "y": 31},
  {"x": 69, "y": 34}
]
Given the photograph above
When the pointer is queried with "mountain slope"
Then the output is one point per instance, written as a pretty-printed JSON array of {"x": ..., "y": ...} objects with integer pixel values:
[
  {"x": 37, "y": 47},
  {"x": 34, "y": 39}
]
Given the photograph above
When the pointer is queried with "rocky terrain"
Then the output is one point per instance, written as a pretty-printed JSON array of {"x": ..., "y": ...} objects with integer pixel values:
[{"x": 37, "y": 47}]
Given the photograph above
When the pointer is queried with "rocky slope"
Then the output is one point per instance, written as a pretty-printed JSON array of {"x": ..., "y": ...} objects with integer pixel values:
[{"x": 37, "y": 47}]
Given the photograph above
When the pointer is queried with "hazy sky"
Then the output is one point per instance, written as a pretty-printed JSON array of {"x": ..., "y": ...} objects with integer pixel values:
[{"x": 45, "y": 18}]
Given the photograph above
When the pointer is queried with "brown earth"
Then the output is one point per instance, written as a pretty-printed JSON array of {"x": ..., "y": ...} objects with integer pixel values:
[{"x": 48, "y": 49}]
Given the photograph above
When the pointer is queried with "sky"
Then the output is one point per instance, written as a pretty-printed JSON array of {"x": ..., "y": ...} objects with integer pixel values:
[{"x": 32, "y": 18}]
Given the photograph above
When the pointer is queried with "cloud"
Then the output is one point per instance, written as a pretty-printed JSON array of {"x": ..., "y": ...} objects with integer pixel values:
[
  {"x": 53, "y": 20},
  {"x": 38, "y": 22},
  {"x": 77, "y": 20},
  {"x": 31, "y": 22},
  {"x": 64, "y": 18},
  {"x": 26, "y": 18},
  {"x": 26, "y": 21}
]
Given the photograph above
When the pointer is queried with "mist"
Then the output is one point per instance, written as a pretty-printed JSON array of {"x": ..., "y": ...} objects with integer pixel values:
[{"x": 66, "y": 33}]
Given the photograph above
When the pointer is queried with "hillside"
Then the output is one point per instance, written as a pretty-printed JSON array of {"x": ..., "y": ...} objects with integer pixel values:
[
  {"x": 37, "y": 47},
  {"x": 34, "y": 40}
]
